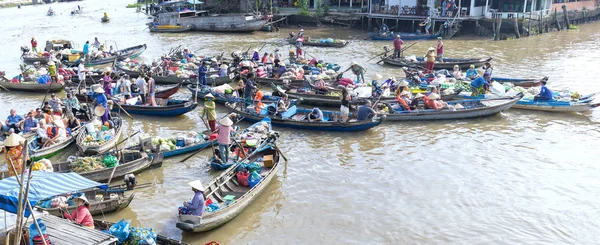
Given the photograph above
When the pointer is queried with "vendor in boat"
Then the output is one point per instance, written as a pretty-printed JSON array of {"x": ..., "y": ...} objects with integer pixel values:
[
  {"x": 282, "y": 104},
  {"x": 111, "y": 50},
  {"x": 545, "y": 93},
  {"x": 52, "y": 71},
  {"x": 30, "y": 123},
  {"x": 105, "y": 16},
  {"x": 457, "y": 73},
  {"x": 86, "y": 51},
  {"x": 377, "y": 90},
  {"x": 81, "y": 215},
  {"x": 107, "y": 84},
  {"x": 223, "y": 70},
  {"x": 298, "y": 45},
  {"x": 34, "y": 42},
  {"x": 151, "y": 90},
  {"x": 471, "y": 73},
  {"x": 479, "y": 86},
  {"x": 345, "y": 104},
  {"x": 281, "y": 69},
  {"x": 202, "y": 70},
  {"x": 432, "y": 102},
  {"x": 209, "y": 111},
  {"x": 55, "y": 103},
  {"x": 196, "y": 206},
  {"x": 402, "y": 86},
  {"x": 255, "y": 56},
  {"x": 315, "y": 115},
  {"x": 398, "y": 47},
  {"x": 365, "y": 112},
  {"x": 13, "y": 121},
  {"x": 440, "y": 50},
  {"x": 224, "y": 134},
  {"x": 358, "y": 70},
  {"x": 240, "y": 88},
  {"x": 71, "y": 122},
  {"x": 416, "y": 100},
  {"x": 320, "y": 85},
  {"x": 430, "y": 60},
  {"x": 301, "y": 34},
  {"x": 487, "y": 71},
  {"x": 404, "y": 101},
  {"x": 96, "y": 43},
  {"x": 265, "y": 58},
  {"x": 101, "y": 100},
  {"x": 249, "y": 89},
  {"x": 13, "y": 154},
  {"x": 213, "y": 64}
]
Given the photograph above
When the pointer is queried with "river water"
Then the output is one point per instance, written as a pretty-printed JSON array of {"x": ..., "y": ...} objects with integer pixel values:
[{"x": 517, "y": 177}]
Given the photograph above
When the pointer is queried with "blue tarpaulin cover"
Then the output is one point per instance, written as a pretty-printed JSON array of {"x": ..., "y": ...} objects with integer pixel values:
[{"x": 43, "y": 185}]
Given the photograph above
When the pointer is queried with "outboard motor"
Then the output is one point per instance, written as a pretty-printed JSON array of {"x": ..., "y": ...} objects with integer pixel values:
[
  {"x": 130, "y": 181},
  {"x": 25, "y": 49}
]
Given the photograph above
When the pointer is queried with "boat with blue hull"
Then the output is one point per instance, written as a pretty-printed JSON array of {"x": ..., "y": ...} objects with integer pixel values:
[
  {"x": 172, "y": 108},
  {"x": 585, "y": 103},
  {"x": 295, "y": 117}
]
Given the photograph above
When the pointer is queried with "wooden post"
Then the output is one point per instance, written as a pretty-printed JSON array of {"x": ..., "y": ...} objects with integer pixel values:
[
  {"x": 146, "y": 6},
  {"x": 556, "y": 20},
  {"x": 567, "y": 23},
  {"x": 498, "y": 28},
  {"x": 516, "y": 20}
]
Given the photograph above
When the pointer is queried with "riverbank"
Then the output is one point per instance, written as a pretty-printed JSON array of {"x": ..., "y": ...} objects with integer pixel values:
[{"x": 14, "y": 3}]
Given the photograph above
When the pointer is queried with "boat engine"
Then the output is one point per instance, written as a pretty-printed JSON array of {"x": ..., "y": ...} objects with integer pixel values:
[
  {"x": 130, "y": 181},
  {"x": 25, "y": 49}
]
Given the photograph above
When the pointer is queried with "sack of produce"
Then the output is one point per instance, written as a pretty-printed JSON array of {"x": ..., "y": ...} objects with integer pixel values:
[
  {"x": 110, "y": 161},
  {"x": 254, "y": 167},
  {"x": 141, "y": 236},
  {"x": 254, "y": 179},
  {"x": 120, "y": 230}
]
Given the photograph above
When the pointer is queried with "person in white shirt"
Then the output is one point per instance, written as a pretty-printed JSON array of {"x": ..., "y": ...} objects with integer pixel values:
[
  {"x": 81, "y": 73},
  {"x": 143, "y": 87},
  {"x": 126, "y": 85}
]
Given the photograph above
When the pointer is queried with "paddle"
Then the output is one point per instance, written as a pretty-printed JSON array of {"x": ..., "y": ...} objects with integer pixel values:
[
  {"x": 116, "y": 165},
  {"x": 4, "y": 88},
  {"x": 120, "y": 107},
  {"x": 402, "y": 50},
  {"x": 199, "y": 150}
]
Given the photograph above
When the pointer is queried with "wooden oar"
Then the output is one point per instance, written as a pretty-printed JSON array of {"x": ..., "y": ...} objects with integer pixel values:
[
  {"x": 116, "y": 165},
  {"x": 120, "y": 107},
  {"x": 379, "y": 55},
  {"x": 402, "y": 50},
  {"x": 4, "y": 88}
]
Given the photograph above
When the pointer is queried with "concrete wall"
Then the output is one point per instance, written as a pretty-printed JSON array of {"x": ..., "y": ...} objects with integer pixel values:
[{"x": 575, "y": 5}]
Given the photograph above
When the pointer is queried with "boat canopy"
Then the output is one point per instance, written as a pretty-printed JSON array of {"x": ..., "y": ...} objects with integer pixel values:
[{"x": 43, "y": 185}]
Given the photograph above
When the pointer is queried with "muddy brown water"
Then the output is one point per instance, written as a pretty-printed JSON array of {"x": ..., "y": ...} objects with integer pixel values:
[{"x": 517, "y": 177}]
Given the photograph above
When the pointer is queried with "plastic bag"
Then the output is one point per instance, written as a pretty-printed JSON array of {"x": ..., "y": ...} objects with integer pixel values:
[
  {"x": 120, "y": 230},
  {"x": 110, "y": 161},
  {"x": 253, "y": 167},
  {"x": 254, "y": 179},
  {"x": 242, "y": 177}
]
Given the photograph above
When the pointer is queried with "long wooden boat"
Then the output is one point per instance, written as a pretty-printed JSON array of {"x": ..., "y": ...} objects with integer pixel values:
[
  {"x": 104, "y": 206},
  {"x": 319, "y": 44},
  {"x": 223, "y": 98},
  {"x": 160, "y": 239},
  {"x": 47, "y": 152},
  {"x": 31, "y": 60},
  {"x": 163, "y": 93},
  {"x": 295, "y": 117},
  {"x": 448, "y": 63},
  {"x": 170, "y": 29},
  {"x": 104, "y": 19},
  {"x": 172, "y": 108},
  {"x": 102, "y": 148},
  {"x": 32, "y": 87},
  {"x": 131, "y": 52},
  {"x": 521, "y": 82},
  {"x": 405, "y": 36},
  {"x": 472, "y": 109},
  {"x": 200, "y": 21},
  {"x": 556, "y": 106},
  {"x": 131, "y": 162},
  {"x": 213, "y": 81},
  {"x": 227, "y": 184}
]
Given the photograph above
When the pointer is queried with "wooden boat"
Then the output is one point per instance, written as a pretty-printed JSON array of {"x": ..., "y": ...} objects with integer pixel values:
[
  {"x": 448, "y": 63},
  {"x": 186, "y": 149},
  {"x": 32, "y": 87},
  {"x": 222, "y": 98},
  {"x": 165, "y": 108},
  {"x": 294, "y": 117},
  {"x": 170, "y": 29},
  {"x": 213, "y": 81},
  {"x": 130, "y": 162},
  {"x": 106, "y": 205},
  {"x": 202, "y": 21},
  {"x": 226, "y": 184},
  {"x": 160, "y": 239},
  {"x": 319, "y": 44},
  {"x": 122, "y": 54},
  {"x": 582, "y": 105},
  {"x": 104, "y": 147},
  {"x": 104, "y": 19},
  {"x": 521, "y": 82},
  {"x": 31, "y": 60},
  {"x": 472, "y": 109},
  {"x": 163, "y": 93},
  {"x": 37, "y": 154},
  {"x": 405, "y": 36}
]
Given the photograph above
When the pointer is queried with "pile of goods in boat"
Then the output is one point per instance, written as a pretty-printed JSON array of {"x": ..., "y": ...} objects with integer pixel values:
[
  {"x": 40, "y": 75},
  {"x": 129, "y": 235},
  {"x": 252, "y": 135},
  {"x": 43, "y": 165},
  {"x": 97, "y": 133},
  {"x": 326, "y": 40},
  {"x": 56, "y": 202},
  {"x": 84, "y": 164},
  {"x": 176, "y": 142},
  {"x": 530, "y": 93}
]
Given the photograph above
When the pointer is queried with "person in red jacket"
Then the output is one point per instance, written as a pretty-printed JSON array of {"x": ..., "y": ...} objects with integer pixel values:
[
  {"x": 82, "y": 214},
  {"x": 398, "y": 47},
  {"x": 33, "y": 45}
]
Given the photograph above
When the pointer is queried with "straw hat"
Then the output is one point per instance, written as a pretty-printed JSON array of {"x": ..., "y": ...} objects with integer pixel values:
[
  {"x": 393, "y": 79},
  {"x": 59, "y": 122},
  {"x": 378, "y": 77},
  {"x": 223, "y": 66},
  {"x": 99, "y": 110},
  {"x": 403, "y": 83},
  {"x": 209, "y": 95},
  {"x": 301, "y": 29},
  {"x": 352, "y": 63},
  {"x": 299, "y": 40},
  {"x": 213, "y": 59},
  {"x": 14, "y": 140},
  {"x": 431, "y": 49},
  {"x": 226, "y": 121},
  {"x": 419, "y": 95},
  {"x": 51, "y": 63},
  {"x": 196, "y": 184},
  {"x": 404, "y": 93},
  {"x": 397, "y": 36},
  {"x": 433, "y": 96},
  {"x": 99, "y": 90},
  {"x": 83, "y": 198}
]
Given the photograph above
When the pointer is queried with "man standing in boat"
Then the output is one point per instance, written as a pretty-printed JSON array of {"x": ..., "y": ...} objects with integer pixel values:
[
  {"x": 398, "y": 47},
  {"x": 440, "y": 50},
  {"x": 202, "y": 73}
]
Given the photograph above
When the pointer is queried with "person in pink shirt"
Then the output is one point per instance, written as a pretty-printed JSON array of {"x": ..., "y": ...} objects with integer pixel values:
[
  {"x": 440, "y": 50},
  {"x": 398, "y": 47},
  {"x": 82, "y": 214},
  {"x": 223, "y": 139}
]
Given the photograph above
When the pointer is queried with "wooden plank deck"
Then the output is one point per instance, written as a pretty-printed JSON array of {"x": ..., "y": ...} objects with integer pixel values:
[{"x": 61, "y": 231}]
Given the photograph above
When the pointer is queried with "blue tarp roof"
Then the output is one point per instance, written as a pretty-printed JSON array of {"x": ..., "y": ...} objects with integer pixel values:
[{"x": 43, "y": 185}]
